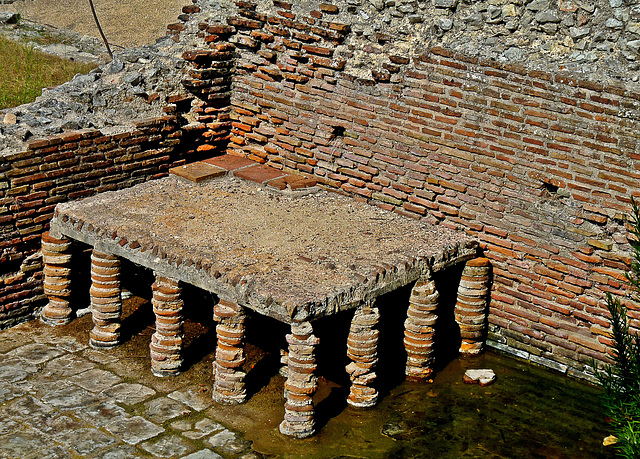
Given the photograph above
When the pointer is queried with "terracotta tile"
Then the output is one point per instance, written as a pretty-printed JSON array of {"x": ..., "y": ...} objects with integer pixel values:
[
  {"x": 258, "y": 173},
  {"x": 198, "y": 172},
  {"x": 296, "y": 182},
  {"x": 279, "y": 183},
  {"x": 229, "y": 162}
]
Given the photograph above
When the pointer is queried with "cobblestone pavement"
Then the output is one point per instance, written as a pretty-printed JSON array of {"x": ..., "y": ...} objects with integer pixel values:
[{"x": 61, "y": 399}]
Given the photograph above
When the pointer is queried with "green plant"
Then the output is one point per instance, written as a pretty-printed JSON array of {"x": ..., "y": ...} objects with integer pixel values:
[
  {"x": 621, "y": 380},
  {"x": 25, "y": 71}
]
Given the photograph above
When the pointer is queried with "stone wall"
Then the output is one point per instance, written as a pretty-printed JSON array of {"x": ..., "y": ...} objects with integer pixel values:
[
  {"x": 61, "y": 168},
  {"x": 538, "y": 163},
  {"x": 118, "y": 126},
  {"x": 539, "y": 166}
]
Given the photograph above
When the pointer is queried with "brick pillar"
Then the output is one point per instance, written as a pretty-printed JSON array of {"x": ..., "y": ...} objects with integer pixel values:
[
  {"x": 228, "y": 385},
  {"x": 301, "y": 382},
  {"x": 106, "y": 303},
  {"x": 56, "y": 255},
  {"x": 166, "y": 342},
  {"x": 419, "y": 330},
  {"x": 362, "y": 349},
  {"x": 472, "y": 304}
]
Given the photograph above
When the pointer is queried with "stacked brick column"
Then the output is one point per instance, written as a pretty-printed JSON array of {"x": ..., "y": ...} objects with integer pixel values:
[
  {"x": 106, "y": 304},
  {"x": 210, "y": 80},
  {"x": 471, "y": 307},
  {"x": 228, "y": 386},
  {"x": 362, "y": 349},
  {"x": 56, "y": 255},
  {"x": 166, "y": 342},
  {"x": 419, "y": 330},
  {"x": 301, "y": 382}
]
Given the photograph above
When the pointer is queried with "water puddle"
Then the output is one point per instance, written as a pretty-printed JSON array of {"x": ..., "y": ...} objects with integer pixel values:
[{"x": 527, "y": 413}]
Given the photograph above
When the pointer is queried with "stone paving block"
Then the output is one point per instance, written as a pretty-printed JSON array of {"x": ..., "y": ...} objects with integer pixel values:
[
  {"x": 13, "y": 370},
  {"x": 200, "y": 429},
  {"x": 54, "y": 423},
  {"x": 24, "y": 407},
  {"x": 222, "y": 438},
  {"x": 103, "y": 413},
  {"x": 63, "y": 342},
  {"x": 193, "y": 396},
  {"x": 70, "y": 397},
  {"x": 163, "y": 409},
  {"x": 235, "y": 447},
  {"x": 129, "y": 394},
  {"x": 95, "y": 380},
  {"x": 52, "y": 452},
  {"x": 169, "y": 446},
  {"x": 134, "y": 430},
  {"x": 8, "y": 344},
  {"x": 36, "y": 353},
  {"x": 121, "y": 452},
  {"x": 67, "y": 365},
  {"x": 87, "y": 440},
  {"x": 9, "y": 392},
  {"x": 203, "y": 454},
  {"x": 98, "y": 356},
  {"x": 8, "y": 425},
  {"x": 22, "y": 444}
]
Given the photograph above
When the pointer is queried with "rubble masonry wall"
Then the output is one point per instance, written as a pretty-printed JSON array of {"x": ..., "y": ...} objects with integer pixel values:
[
  {"x": 61, "y": 168},
  {"x": 540, "y": 167}
]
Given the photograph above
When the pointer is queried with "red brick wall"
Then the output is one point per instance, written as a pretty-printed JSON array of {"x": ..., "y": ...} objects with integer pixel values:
[
  {"x": 539, "y": 167},
  {"x": 62, "y": 168}
]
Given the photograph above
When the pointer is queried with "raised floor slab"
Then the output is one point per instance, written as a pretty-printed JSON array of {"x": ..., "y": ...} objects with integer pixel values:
[{"x": 287, "y": 257}]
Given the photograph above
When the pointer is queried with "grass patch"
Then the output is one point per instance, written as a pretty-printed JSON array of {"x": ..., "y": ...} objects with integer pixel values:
[{"x": 25, "y": 71}]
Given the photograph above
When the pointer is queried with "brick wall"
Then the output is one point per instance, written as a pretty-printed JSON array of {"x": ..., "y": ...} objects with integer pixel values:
[
  {"x": 61, "y": 168},
  {"x": 539, "y": 167}
]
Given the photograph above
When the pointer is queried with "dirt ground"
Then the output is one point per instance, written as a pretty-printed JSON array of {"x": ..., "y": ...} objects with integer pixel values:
[{"x": 124, "y": 22}]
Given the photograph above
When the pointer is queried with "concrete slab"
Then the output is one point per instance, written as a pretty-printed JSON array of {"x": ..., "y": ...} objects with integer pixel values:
[{"x": 287, "y": 257}]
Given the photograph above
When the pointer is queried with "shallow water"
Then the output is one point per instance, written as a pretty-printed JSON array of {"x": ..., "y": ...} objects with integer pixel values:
[{"x": 528, "y": 412}]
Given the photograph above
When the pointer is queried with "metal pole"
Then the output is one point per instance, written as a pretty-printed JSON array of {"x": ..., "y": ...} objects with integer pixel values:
[{"x": 104, "y": 39}]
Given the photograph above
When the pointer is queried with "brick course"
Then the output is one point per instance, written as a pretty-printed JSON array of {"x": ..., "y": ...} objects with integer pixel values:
[
  {"x": 539, "y": 167},
  {"x": 61, "y": 168}
]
